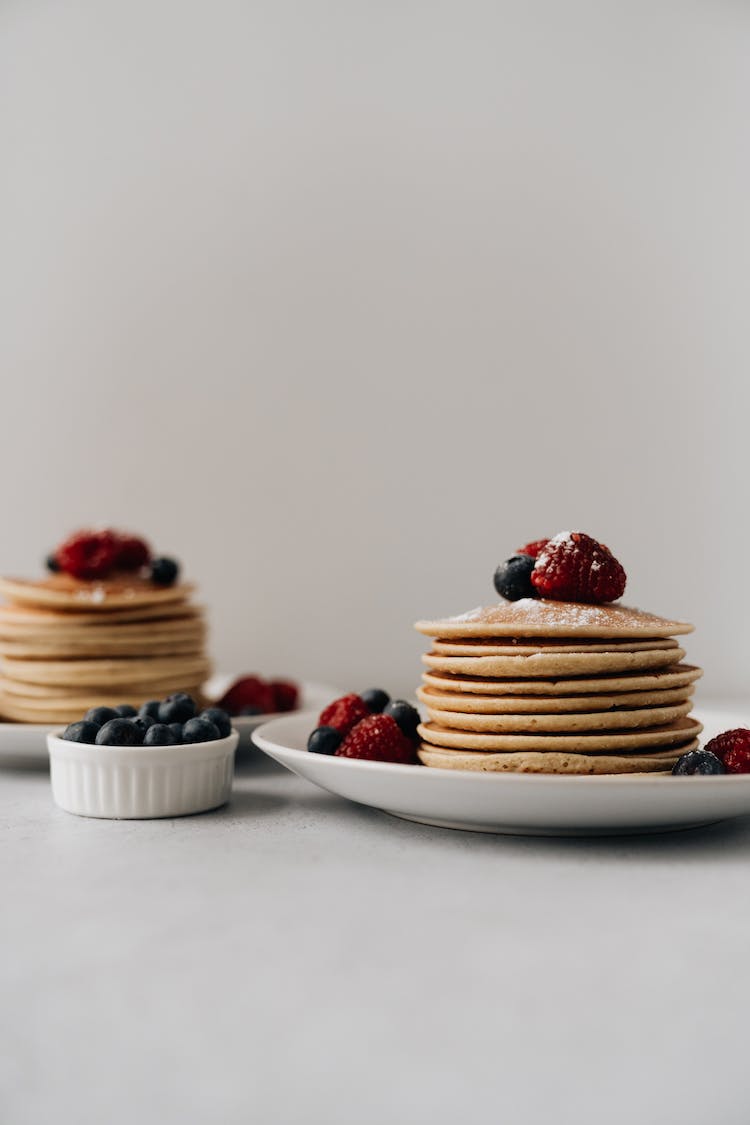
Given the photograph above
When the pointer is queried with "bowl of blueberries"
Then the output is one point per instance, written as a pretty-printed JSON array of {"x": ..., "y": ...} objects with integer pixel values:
[{"x": 166, "y": 758}]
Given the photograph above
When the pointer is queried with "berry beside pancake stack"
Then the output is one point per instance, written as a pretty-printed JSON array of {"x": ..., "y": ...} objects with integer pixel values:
[
  {"x": 554, "y": 679},
  {"x": 110, "y": 622}
]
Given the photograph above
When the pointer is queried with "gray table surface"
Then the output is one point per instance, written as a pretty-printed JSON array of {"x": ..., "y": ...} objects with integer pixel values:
[{"x": 296, "y": 958}]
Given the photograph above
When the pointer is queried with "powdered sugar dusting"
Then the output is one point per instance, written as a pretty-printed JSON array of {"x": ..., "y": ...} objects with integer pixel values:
[
  {"x": 470, "y": 615},
  {"x": 528, "y": 610},
  {"x": 94, "y": 594},
  {"x": 545, "y": 617}
]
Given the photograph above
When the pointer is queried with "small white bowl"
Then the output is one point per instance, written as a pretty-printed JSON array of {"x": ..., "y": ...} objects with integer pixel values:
[{"x": 141, "y": 782}]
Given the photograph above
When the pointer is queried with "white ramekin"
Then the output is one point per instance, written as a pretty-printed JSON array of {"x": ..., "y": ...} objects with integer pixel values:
[{"x": 140, "y": 782}]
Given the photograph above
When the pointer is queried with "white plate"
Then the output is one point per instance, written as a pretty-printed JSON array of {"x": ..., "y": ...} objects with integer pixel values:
[
  {"x": 25, "y": 744},
  {"x": 521, "y": 804}
]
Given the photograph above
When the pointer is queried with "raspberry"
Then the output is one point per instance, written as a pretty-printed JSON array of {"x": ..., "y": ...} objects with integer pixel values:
[
  {"x": 378, "y": 738},
  {"x": 344, "y": 713},
  {"x": 573, "y": 567},
  {"x": 285, "y": 695},
  {"x": 737, "y": 760},
  {"x": 132, "y": 552},
  {"x": 248, "y": 691},
  {"x": 88, "y": 554},
  {"x": 732, "y": 747},
  {"x": 534, "y": 548}
]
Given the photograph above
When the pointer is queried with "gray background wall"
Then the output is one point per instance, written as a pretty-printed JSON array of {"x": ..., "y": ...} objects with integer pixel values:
[{"x": 341, "y": 302}]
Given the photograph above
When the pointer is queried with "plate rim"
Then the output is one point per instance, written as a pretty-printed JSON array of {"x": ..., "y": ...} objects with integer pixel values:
[{"x": 261, "y": 735}]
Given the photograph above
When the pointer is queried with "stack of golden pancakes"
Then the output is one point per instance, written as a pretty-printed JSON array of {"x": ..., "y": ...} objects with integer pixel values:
[
  {"x": 541, "y": 686},
  {"x": 67, "y": 645}
]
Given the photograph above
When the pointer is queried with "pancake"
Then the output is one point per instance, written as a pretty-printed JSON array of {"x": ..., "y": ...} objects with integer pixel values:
[
  {"x": 176, "y": 636},
  {"x": 499, "y": 646},
  {"x": 658, "y": 737},
  {"x": 14, "y": 616},
  {"x": 547, "y": 664},
  {"x": 467, "y": 703},
  {"x": 540, "y": 617},
  {"x": 177, "y": 646},
  {"x": 555, "y": 762},
  {"x": 579, "y": 722},
  {"x": 64, "y": 711},
  {"x": 60, "y": 591},
  {"x": 677, "y": 675},
  {"x": 548, "y": 704},
  {"x": 36, "y": 695},
  {"x": 93, "y": 674}
]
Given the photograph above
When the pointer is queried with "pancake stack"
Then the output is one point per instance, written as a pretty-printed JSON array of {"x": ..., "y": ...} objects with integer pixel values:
[
  {"x": 541, "y": 686},
  {"x": 67, "y": 645}
]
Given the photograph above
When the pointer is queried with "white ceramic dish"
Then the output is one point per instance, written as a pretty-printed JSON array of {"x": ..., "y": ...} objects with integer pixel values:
[
  {"x": 25, "y": 744},
  {"x": 520, "y": 804},
  {"x": 141, "y": 782}
]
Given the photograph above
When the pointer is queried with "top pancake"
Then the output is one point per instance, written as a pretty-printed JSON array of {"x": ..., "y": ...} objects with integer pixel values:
[
  {"x": 541, "y": 617},
  {"x": 62, "y": 592}
]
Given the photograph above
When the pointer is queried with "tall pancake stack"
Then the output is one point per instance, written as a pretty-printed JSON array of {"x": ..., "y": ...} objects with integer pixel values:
[
  {"x": 542, "y": 686},
  {"x": 67, "y": 645}
]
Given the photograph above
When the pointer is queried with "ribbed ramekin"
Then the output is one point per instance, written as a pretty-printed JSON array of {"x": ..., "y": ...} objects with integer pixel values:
[{"x": 141, "y": 782}]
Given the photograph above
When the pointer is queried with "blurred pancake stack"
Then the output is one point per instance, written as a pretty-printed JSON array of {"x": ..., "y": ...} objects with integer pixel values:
[{"x": 109, "y": 624}]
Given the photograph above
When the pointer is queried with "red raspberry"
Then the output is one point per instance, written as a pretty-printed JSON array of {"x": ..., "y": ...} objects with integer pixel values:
[
  {"x": 379, "y": 739},
  {"x": 248, "y": 691},
  {"x": 344, "y": 713},
  {"x": 534, "y": 548},
  {"x": 285, "y": 694},
  {"x": 573, "y": 567},
  {"x": 132, "y": 552},
  {"x": 732, "y": 747},
  {"x": 88, "y": 554}
]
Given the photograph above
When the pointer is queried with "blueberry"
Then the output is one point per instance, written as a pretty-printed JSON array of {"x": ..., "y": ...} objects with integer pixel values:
[
  {"x": 52, "y": 564},
  {"x": 200, "y": 730},
  {"x": 143, "y": 722},
  {"x": 219, "y": 718},
  {"x": 250, "y": 709},
  {"x": 324, "y": 740},
  {"x": 177, "y": 708},
  {"x": 126, "y": 711},
  {"x": 375, "y": 700},
  {"x": 513, "y": 578},
  {"x": 698, "y": 761},
  {"x": 164, "y": 572},
  {"x": 151, "y": 708},
  {"x": 160, "y": 735},
  {"x": 119, "y": 732},
  {"x": 406, "y": 716},
  {"x": 176, "y": 729},
  {"x": 101, "y": 715},
  {"x": 81, "y": 732}
]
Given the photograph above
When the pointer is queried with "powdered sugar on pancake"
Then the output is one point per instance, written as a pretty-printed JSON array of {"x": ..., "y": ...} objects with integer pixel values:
[
  {"x": 543, "y": 617},
  {"x": 535, "y": 609}
]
